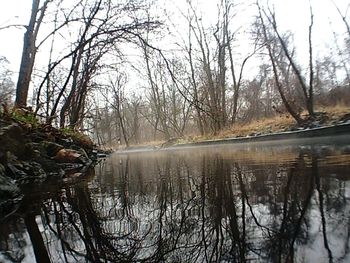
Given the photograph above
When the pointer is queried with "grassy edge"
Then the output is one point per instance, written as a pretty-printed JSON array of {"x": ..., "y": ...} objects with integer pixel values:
[{"x": 279, "y": 123}]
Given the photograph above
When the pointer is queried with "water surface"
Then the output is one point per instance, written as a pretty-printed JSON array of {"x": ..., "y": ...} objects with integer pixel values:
[{"x": 247, "y": 203}]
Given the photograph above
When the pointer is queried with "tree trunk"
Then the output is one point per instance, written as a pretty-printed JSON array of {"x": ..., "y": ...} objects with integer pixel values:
[
  {"x": 195, "y": 88},
  {"x": 28, "y": 53},
  {"x": 267, "y": 41}
]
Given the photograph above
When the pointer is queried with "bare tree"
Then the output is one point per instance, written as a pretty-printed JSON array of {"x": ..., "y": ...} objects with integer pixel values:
[
  {"x": 102, "y": 27},
  {"x": 29, "y": 51},
  {"x": 307, "y": 89},
  {"x": 343, "y": 16},
  {"x": 157, "y": 92},
  {"x": 214, "y": 82},
  {"x": 237, "y": 75},
  {"x": 117, "y": 87},
  {"x": 134, "y": 119},
  {"x": 344, "y": 60},
  {"x": 268, "y": 41}
]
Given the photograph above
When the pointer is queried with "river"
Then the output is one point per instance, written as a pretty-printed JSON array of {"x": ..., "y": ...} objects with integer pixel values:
[{"x": 280, "y": 202}]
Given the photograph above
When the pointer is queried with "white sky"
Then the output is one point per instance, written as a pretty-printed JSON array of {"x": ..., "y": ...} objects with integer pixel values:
[
  {"x": 291, "y": 14},
  {"x": 13, "y": 12}
]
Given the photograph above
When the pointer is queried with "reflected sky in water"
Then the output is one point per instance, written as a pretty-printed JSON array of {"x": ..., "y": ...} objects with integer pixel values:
[{"x": 248, "y": 203}]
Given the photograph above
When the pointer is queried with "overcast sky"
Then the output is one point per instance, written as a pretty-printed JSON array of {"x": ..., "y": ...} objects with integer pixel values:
[{"x": 291, "y": 14}]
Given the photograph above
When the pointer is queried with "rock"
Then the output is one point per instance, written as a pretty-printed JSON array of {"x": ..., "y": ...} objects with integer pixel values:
[
  {"x": 84, "y": 158},
  {"x": 65, "y": 141},
  {"x": 76, "y": 139},
  {"x": 26, "y": 171},
  {"x": 50, "y": 166},
  {"x": 12, "y": 129},
  {"x": 71, "y": 166},
  {"x": 34, "y": 169},
  {"x": 51, "y": 148},
  {"x": 12, "y": 139},
  {"x": 8, "y": 188},
  {"x": 32, "y": 154},
  {"x": 9, "y": 157},
  {"x": 72, "y": 156},
  {"x": 38, "y": 153},
  {"x": 96, "y": 154},
  {"x": 101, "y": 155},
  {"x": 15, "y": 172},
  {"x": 67, "y": 156},
  {"x": 84, "y": 141},
  {"x": 31, "y": 150}
]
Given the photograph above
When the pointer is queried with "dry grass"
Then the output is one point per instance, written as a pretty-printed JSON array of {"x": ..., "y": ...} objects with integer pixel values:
[
  {"x": 275, "y": 124},
  {"x": 334, "y": 112},
  {"x": 144, "y": 144},
  {"x": 263, "y": 126}
]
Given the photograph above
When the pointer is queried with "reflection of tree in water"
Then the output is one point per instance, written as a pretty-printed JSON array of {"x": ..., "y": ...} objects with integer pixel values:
[
  {"x": 303, "y": 194},
  {"x": 295, "y": 192},
  {"x": 12, "y": 241},
  {"x": 83, "y": 216},
  {"x": 226, "y": 234},
  {"x": 71, "y": 218},
  {"x": 177, "y": 209}
]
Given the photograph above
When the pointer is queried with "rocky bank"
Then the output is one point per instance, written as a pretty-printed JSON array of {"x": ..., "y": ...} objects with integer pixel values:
[{"x": 34, "y": 153}]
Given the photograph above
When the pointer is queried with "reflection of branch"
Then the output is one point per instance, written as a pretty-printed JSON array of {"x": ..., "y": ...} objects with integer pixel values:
[
  {"x": 284, "y": 227},
  {"x": 346, "y": 250},
  {"x": 58, "y": 233},
  {"x": 320, "y": 196},
  {"x": 245, "y": 198},
  {"x": 203, "y": 199},
  {"x": 182, "y": 222},
  {"x": 305, "y": 207},
  {"x": 244, "y": 193},
  {"x": 125, "y": 190},
  {"x": 39, "y": 248},
  {"x": 237, "y": 236},
  {"x": 72, "y": 222}
]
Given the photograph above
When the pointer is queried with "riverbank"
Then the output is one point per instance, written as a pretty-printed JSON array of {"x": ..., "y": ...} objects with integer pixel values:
[
  {"x": 330, "y": 121},
  {"x": 31, "y": 153},
  {"x": 327, "y": 131},
  {"x": 303, "y": 136}
]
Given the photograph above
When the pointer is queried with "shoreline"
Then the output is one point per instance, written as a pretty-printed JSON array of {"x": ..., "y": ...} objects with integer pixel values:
[
  {"x": 299, "y": 135},
  {"x": 326, "y": 131}
]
